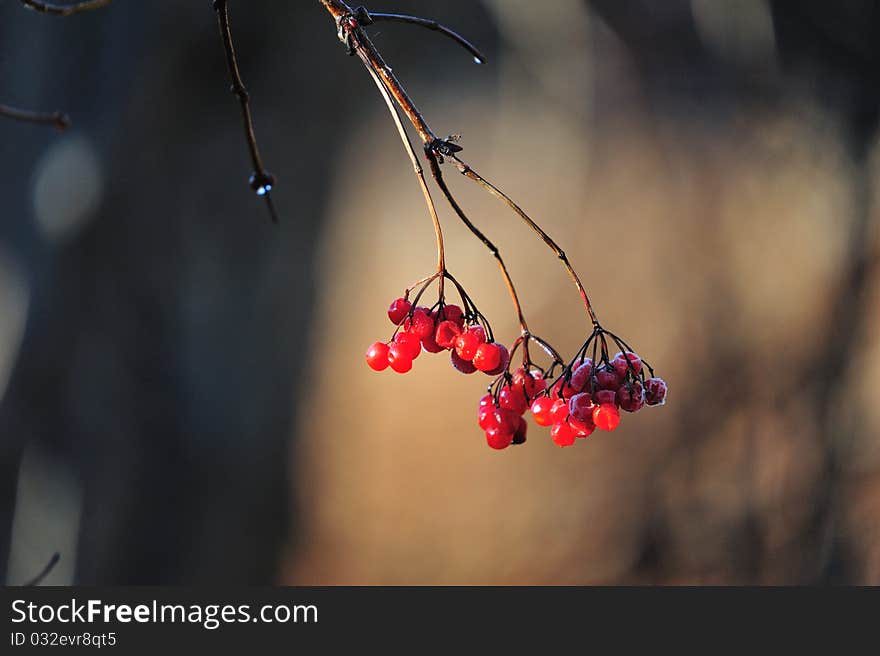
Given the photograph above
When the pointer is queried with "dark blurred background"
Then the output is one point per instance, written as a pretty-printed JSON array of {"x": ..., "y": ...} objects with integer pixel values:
[{"x": 183, "y": 397}]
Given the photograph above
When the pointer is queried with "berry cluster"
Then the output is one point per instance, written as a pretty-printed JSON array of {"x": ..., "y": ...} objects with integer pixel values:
[
  {"x": 441, "y": 328},
  {"x": 588, "y": 394}
]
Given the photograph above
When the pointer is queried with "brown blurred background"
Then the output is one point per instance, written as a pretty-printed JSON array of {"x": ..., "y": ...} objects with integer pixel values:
[{"x": 184, "y": 398}]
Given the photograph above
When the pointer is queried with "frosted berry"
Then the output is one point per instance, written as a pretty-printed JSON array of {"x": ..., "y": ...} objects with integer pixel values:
[
  {"x": 410, "y": 342},
  {"x": 446, "y": 333},
  {"x": 399, "y": 358},
  {"x": 420, "y": 324},
  {"x": 519, "y": 437},
  {"x": 498, "y": 439},
  {"x": 620, "y": 366},
  {"x": 513, "y": 399},
  {"x": 655, "y": 391},
  {"x": 464, "y": 366},
  {"x": 582, "y": 428},
  {"x": 377, "y": 356},
  {"x": 398, "y": 310},
  {"x": 605, "y": 396},
  {"x": 467, "y": 343},
  {"x": 502, "y": 363},
  {"x": 580, "y": 377},
  {"x": 607, "y": 378},
  {"x": 580, "y": 406},
  {"x": 606, "y": 416},
  {"x": 541, "y": 410},
  {"x": 631, "y": 398},
  {"x": 562, "y": 434},
  {"x": 488, "y": 356},
  {"x": 559, "y": 410}
]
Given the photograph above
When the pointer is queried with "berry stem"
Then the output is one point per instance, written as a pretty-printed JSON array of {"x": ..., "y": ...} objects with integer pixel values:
[
  {"x": 493, "y": 249},
  {"x": 417, "y": 168},
  {"x": 469, "y": 173}
]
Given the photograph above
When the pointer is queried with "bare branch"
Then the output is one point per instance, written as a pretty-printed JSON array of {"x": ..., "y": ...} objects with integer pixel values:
[
  {"x": 261, "y": 181},
  {"x": 368, "y": 18},
  {"x": 46, "y": 571},
  {"x": 58, "y": 120},
  {"x": 65, "y": 10}
]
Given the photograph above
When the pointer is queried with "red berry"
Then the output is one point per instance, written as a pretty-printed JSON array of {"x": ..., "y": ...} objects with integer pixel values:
[
  {"x": 498, "y": 439},
  {"x": 430, "y": 344},
  {"x": 606, "y": 416},
  {"x": 541, "y": 408},
  {"x": 486, "y": 418},
  {"x": 605, "y": 396},
  {"x": 559, "y": 410},
  {"x": 485, "y": 410},
  {"x": 446, "y": 333},
  {"x": 631, "y": 399},
  {"x": 607, "y": 378},
  {"x": 530, "y": 383},
  {"x": 582, "y": 428},
  {"x": 398, "y": 310},
  {"x": 488, "y": 356},
  {"x": 620, "y": 366},
  {"x": 420, "y": 324},
  {"x": 580, "y": 377},
  {"x": 410, "y": 342},
  {"x": 519, "y": 437},
  {"x": 454, "y": 314},
  {"x": 562, "y": 434},
  {"x": 504, "y": 420},
  {"x": 467, "y": 343},
  {"x": 502, "y": 364},
  {"x": 399, "y": 358},
  {"x": 580, "y": 406},
  {"x": 513, "y": 399},
  {"x": 567, "y": 390},
  {"x": 377, "y": 356},
  {"x": 464, "y": 366},
  {"x": 655, "y": 391}
]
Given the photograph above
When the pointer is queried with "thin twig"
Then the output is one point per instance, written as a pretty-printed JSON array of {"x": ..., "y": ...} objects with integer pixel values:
[
  {"x": 368, "y": 18},
  {"x": 469, "y": 173},
  {"x": 341, "y": 11},
  {"x": 417, "y": 168},
  {"x": 352, "y": 34},
  {"x": 261, "y": 181},
  {"x": 65, "y": 10},
  {"x": 46, "y": 571},
  {"x": 493, "y": 249},
  {"x": 59, "y": 120}
]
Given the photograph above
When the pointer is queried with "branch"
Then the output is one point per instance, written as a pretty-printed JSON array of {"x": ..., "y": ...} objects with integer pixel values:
[
  {"x": 46, "y": 571},
  {"x": 366, "y": 18},
  {"x": 349, "y": 24},
  {"x": 65, "y": 10},
  {"x": 261, "y": 181},
  {"x": 59, "y": 120}
]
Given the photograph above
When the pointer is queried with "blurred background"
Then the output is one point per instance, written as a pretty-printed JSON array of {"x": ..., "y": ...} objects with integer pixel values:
[{"x": 183, "y": 397}]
